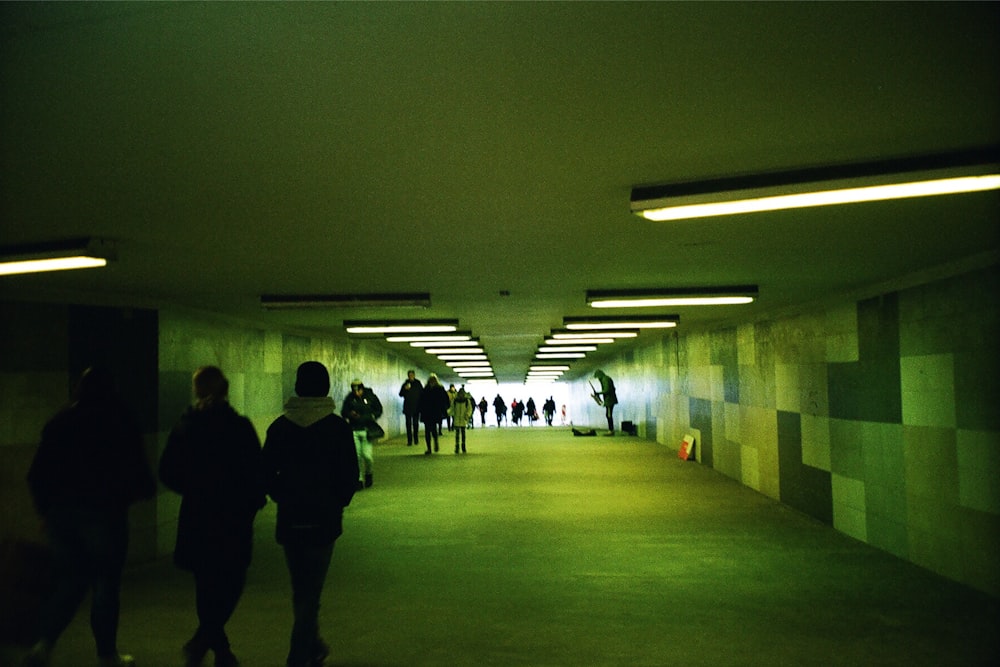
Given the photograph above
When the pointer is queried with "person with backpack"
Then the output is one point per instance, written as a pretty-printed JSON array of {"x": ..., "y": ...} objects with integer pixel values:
[{"x": 311, "y": 472}]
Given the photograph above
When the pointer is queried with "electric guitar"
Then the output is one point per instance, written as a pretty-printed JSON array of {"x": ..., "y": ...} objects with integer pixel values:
[{"x": 595, "y": 394}]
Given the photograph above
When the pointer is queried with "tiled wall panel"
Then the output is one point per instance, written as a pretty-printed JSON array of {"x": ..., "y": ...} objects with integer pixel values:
[{"x": 879, "y": 416}]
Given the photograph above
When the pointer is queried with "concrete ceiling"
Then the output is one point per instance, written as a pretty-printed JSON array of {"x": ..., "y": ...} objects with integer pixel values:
[{"x": 472, "y": 150}]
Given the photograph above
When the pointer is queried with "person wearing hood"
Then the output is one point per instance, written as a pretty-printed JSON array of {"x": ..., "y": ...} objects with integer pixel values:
[
  {"x": 362, "y": 409},
  {"x": 311, "y": 472},
  {"x": 213, "y": 460}
]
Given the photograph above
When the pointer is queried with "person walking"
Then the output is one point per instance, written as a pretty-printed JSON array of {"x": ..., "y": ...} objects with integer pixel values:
[
  {"x": 213, "y": 460},
  {"x": 311, "y": 472},
  {"x": 434, "y": 406},
  {"x": 461, "y": 409},
  {"x": 549, "y": 410},
  {"x": 89, "y": 468},
  {"x": 452, "y": 393},
  {"x": 410, "y": 392},
  {"x": 500, "y": 407},
  {"x": 483, "y": 405},
  {"x": 362, "y": 409},
  {"x": 532, "y": 411}
]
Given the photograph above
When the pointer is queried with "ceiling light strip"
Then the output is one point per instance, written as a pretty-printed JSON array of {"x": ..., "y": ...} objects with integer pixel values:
[{"x": 928, "y": 176}]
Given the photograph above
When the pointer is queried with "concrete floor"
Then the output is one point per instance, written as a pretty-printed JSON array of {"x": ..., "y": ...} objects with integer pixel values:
[{"x": 540, "y": 548}]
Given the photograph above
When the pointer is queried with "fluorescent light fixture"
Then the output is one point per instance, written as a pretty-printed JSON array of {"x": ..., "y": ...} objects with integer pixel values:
[
  {"x": 469, "y": 364},
  {"x": 397, "y": 300},
  {"x": 951, "y": 173},
  {"x": 560, "y": 355},
  {"x": 85, "y": 253},
  {"x": 399, "y": 327},
  {"x": 568, "y": 348},
  {"x": 547, "y": 367},
  {"x": 449, "y": 343},
  {"x": 562, "y": 334},
  {"x": 578, "y": 341},
  {"x": 474, "y": 374},
  {"x": 654, "y": 322},
  {"x": 668, "y": 298},
  {"x": 453, "y": 350},
  {"x": 461, "y": 357},
  {"x": 431, "y": 340}
]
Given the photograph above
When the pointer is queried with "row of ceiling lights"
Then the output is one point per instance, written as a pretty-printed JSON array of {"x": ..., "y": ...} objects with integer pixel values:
[{"x": 466, "y": 357}]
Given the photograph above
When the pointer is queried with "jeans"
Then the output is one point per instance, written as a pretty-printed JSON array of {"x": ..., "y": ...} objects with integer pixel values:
[
  {"x": 307, "y": 567},
  {"x": 88, "y": 551},
  {"x": 366, "y": 460},
  {"x": 412, "y": 427}
]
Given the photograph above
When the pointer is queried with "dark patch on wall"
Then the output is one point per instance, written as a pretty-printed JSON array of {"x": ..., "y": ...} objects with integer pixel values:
[
  {"x": 176, "y": 395},
  {"x": 294, "y": 352},
  {"x": 869, "y": 389},
  {"x": 724, "y": 352},
  {"x": 126, "y": 341},
  {"x": 807, "y": 489},
  {"x": 33, "y": 337},
  {"x": 701, "y": 419}
]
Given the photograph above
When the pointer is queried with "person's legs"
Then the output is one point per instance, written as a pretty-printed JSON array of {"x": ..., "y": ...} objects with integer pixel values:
[
  {"x": 609, "y": 413},
  {"x": 307, "y": 568},
  {"x": 217, "y": 592},
  {"x": 428, "y": 430},
  {"x": 70, "y": 567},
  {"x": 412, "y": 428},
  {"x": 360, "y": 438},
  {"x": 367, "y": 463},
  {"x": 108, "y": 544}
]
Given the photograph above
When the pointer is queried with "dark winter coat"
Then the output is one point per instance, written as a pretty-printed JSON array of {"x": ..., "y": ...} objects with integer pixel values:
[
  {"x": 90, "y": 455},
  {"x": 361, "y": 411},
  {"x": 434, "y": 404},
  {"x": 213, "y": 460},
  {"x": 311, "y": 468},
  {"x": 411, "y": 390}
]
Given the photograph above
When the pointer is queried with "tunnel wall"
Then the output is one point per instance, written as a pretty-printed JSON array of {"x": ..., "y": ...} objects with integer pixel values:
[
  {"x": 44, "y": 347},
  {"x": 878, "y": 416}
]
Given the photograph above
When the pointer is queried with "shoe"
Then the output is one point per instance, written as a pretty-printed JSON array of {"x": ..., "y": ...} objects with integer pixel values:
[
  {"x": 436, "y": 447},
  {"x": 428, "y": 451},
  {"x": 369, "y": 480},
  {"x": 194, "y": 652},
  {"x": 226, "y": 659},
  {"x": 456, "y": 449},
  {"x": 40, "y": 655},
  {"x": 360, "y": 486},
  {"x": 321, "y": 652},
  {"x": 116, "y": 661},
  {"x": 609, "y": 433}
]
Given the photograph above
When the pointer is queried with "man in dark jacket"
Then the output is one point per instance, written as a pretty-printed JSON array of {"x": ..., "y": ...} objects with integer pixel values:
[
  {"x": 362, "y": 409},
  {"x": 411, "y": 391},
  {"x": 311, "y": 468}
]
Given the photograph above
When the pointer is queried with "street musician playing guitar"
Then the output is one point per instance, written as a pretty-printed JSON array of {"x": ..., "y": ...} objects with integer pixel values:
[{"x": 606, "y": 397}]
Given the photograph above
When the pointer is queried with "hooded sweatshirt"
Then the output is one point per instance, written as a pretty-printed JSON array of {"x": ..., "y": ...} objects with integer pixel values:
[{"x": 311, "y": 467}]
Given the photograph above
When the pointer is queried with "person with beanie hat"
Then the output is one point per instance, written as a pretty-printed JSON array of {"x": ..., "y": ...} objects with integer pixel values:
[
  {"x": 311, "y": 469},
  {"x": 362, "y": 409}
]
